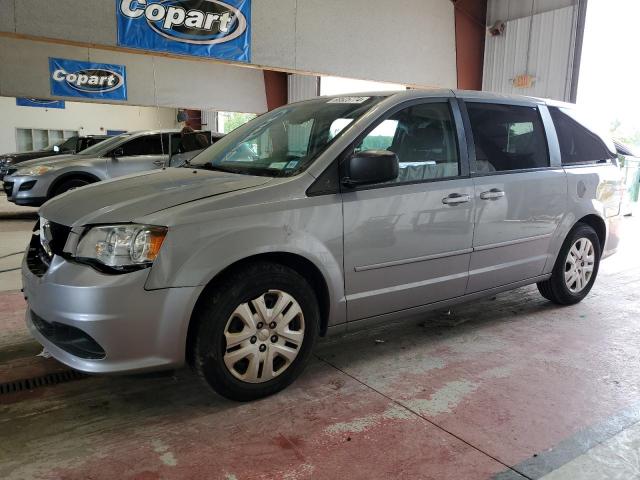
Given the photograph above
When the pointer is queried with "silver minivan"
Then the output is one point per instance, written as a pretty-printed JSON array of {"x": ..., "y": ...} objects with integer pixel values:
[{"x": 320, "y": 217}]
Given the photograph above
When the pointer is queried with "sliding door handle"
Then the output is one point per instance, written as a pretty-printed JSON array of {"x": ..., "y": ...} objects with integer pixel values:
[
  {"x": 493, "y": 194},
  {"x": 456, "y": 199}
]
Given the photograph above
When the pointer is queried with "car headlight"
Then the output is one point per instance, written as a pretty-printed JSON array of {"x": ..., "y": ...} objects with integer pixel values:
[
  {"x": 34, "y": 171},
  {"x": 6, "y": 161},
  {"x": 122, "y": 247}
]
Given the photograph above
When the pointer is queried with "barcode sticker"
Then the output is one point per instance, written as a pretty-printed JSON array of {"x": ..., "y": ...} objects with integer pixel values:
[{"x": 348, "y": 99}]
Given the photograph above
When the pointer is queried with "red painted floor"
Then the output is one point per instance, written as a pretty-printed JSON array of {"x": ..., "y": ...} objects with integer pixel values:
[{"x": 463, "y": 395}]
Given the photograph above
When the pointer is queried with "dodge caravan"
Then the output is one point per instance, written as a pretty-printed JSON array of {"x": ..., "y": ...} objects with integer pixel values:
[{"x": 316, "y": 218}]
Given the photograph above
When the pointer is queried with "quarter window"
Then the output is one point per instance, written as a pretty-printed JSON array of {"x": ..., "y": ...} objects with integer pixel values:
[
  {"x": 424, "y": 139},
  {"x": 507, "y": 137},
  {"x": 577, "y": 143}
]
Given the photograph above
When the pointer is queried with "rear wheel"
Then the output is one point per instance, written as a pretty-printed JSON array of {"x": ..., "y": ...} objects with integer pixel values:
[
  {"x": 256, "y": 331},
  {"x": 576, "y": 268},
  {"x": 70, "y": 184}
]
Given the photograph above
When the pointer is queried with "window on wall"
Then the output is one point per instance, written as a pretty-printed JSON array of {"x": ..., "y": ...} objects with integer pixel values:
[
  {"x": 577, "y": 143},
  {"x": 507, "y": 137},
  {"x": 38, "y": 139},
  {"x": 228, "y": 121},
  {"x": 424, "y": 139}
]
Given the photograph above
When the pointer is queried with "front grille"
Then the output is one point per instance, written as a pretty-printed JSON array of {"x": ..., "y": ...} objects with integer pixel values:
[
  {"x": 37, "y": 259},
  {"x": 59, "y": 236},
  {"x": 8, "y": 188},
  {"x": 70, "y": 339}
]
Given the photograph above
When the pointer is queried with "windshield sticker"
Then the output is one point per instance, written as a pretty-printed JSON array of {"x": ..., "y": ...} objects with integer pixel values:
[
  {"x": 293, "y": 164},
  {"x": 349, "y": 100},
  {"x": 278, "y": 165}
]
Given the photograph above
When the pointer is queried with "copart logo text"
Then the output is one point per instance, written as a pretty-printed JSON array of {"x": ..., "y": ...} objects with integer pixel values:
[{"x": 202, "y": 22}]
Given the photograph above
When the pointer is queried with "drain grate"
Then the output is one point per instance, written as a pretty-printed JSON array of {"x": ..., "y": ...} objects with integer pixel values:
[{"x": 27, "y": 384}]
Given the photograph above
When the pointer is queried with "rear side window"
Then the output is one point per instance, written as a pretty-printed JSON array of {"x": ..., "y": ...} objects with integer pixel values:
[
  {"x": 507, "y": 137},
  {"x": 145, "y": 145},
  {"x": 577, "y": 143}
]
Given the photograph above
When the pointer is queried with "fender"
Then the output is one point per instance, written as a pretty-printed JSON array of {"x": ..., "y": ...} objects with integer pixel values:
[
  {"x": 591, "y": 190},
  {"x": 66, "y": 175},
  {"x": 202, "y": 249}
]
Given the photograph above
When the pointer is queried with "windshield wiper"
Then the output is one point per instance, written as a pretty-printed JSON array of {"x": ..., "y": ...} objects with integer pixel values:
[{"x": 216, "y": 168}]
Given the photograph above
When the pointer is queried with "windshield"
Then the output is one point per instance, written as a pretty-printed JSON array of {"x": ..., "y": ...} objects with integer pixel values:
[
  {"x": 105, "y": 146},
  {"x": 71, "y": 142},
  {"x": 287, "y": 140}
]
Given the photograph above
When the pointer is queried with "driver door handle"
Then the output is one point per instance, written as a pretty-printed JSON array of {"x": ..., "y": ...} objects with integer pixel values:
[
  {"x": 160, "y": 163},
  {"x": 493, "y": 194},
  {"x": 456, "y": 199}
]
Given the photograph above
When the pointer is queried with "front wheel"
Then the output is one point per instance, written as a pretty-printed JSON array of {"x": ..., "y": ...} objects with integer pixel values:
[
  {"x": 576, "y": 268},
  {"x": 255, "y": 331},
  {"x": 67, "y": 185}
]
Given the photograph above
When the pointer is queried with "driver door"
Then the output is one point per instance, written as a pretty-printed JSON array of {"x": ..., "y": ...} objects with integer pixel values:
[{"x": 408, "y": 242}]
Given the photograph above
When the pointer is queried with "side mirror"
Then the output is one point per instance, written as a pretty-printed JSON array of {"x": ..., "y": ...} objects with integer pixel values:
[
  {"x": 370, "y": 166},
  {"x": 118, "y": 152}
]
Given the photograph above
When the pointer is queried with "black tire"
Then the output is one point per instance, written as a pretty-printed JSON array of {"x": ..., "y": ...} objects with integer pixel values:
[
  {"x": 67, "y": 185},
  {"x": 555, "y": 289},
  {"x": 214, "y": 310}
]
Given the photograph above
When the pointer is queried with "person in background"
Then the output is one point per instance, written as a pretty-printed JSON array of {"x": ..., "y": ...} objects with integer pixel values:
[{"x": 190, "y": 140}]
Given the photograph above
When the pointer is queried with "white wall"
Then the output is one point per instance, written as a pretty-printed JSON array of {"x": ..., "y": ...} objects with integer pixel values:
[
  {"x": 338, "y": 86},
  {"x": 408, "y": 41},
  {"x": 151, "y": 80},
  {"x": 511, "y": 10},
  {"x": 87, "y": 118},
  {"x": 551, "y": 45}
]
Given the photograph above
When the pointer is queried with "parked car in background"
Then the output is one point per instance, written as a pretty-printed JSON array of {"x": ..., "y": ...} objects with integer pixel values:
[
  {"x": 630, "y": 164},
  {"x": 236, "y": 265},
  {"x": 68, "y": 146},
  {"x": 35, "y": 181}
]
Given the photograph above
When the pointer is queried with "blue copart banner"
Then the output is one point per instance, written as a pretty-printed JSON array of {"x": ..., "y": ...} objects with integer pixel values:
[
  {"x": 39, "y": 102},
  {"x": 73, "y": 78},
  {"x": 204, "y": 28}
]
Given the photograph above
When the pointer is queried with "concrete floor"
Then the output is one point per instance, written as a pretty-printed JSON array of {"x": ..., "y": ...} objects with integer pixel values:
[{"x": 510, "y": 388}]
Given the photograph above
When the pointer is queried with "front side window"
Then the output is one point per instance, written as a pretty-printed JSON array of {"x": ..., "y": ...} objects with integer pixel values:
[
  {"x": 507, "y": 137},
  {"x": 284, "y": 141},
  {"x": 144, "y": 145},
  {"x": 577, "y": 143},
  {"x": 424, "y": 139}
]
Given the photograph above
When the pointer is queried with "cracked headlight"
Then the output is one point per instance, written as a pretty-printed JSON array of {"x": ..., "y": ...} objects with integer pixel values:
[{"x": 123, "y": 247}]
